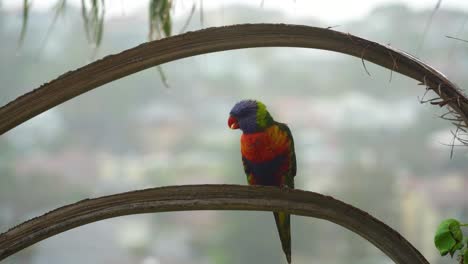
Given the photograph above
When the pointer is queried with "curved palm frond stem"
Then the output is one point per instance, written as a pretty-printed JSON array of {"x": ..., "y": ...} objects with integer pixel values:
[
  {"x": 211, "y": 197},
  {"x": 113, "y": 67}
]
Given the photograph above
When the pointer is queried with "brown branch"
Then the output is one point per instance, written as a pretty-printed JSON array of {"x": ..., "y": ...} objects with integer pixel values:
[
  {"x": 211, "y": 197},
  {"x": 157, "y": 52}
]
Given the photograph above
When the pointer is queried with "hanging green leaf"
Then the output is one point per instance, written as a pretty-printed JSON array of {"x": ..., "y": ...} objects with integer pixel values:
[
  {"x": 449, "y": 237},
  {"x": 160, "y": 26},
  {"x": 24, "y": 26},
  {"x": 160, "y": 19},
  {"x": 59, "y": 10},
  {"x": 93, "y": 19}
]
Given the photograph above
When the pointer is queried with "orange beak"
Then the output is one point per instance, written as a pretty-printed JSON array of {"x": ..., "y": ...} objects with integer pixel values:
[{"x": 232, "y": 123}]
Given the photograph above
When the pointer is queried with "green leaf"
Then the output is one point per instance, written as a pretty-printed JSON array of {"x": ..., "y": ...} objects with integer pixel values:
[
  {"x": 456, "y": 230},
  {"x": 160, "y": 19},
  {"x": 59, "y": 7},
  {"x": 448, "y": 237},
  {"x": 93, "y": 19},
  {"x": 465, "y": 256},
  {"x": 24, "y": 26},
  {"x": 160, "y": 26},
  {"x": 457, "y": 246}
]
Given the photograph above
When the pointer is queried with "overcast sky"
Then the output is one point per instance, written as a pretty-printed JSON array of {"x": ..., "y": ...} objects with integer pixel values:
[{"x": 330, "y": 11}]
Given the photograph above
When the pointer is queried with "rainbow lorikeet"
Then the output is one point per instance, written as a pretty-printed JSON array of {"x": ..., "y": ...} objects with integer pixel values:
[{"x": 268, "y": 155}]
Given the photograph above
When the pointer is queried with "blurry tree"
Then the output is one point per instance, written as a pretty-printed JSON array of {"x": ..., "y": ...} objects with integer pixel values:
[
  {"x": 100, "y": 123},
  {"x": 361, "y": 183},
  {"x": 18, "y": 199}
]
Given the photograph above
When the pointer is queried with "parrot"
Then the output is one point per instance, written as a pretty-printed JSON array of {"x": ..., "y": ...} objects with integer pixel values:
[{"x": 268, "y": 156}]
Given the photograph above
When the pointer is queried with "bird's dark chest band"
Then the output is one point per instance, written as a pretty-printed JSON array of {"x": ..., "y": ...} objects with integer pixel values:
[{"x": 267, "y": 172}]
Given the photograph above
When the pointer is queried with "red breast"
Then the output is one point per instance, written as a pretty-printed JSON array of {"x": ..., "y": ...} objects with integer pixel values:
[{"x": 264, "y": 146}]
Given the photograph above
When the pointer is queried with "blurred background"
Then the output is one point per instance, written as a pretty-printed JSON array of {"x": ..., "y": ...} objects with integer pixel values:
[{"x": 366, "y": 140}]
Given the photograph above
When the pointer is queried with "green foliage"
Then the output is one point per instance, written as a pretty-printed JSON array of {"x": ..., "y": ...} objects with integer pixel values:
[
  {"x": 160, "y": 26},
  {"x": 93, "y": 12},
  {"x": 465, "y": 255},
  {"x": 160, "y": 19},
  {"x": 26, "y": 6},
  {"x": 449, "y": 239},
  {"x": 93, "y": 19},
  {"x": 59, "y": 10}
]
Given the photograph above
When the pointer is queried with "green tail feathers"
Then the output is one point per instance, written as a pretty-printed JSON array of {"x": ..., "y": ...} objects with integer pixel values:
[{"x": 283, "y": 223}]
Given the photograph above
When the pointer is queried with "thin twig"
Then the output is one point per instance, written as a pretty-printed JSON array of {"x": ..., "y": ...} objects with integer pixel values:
[
  {"x": 331, "y": 27},
  {"x": 395, "y": 66},
  {"x": 458, "y": 33},
  {"x": 163, "y": 76},
  {"x": 450, "y": 37},
  {"x": 362, "y": 60},
  {"x": 59, "y": 9},
  {"x": 453, "y": 142},
  {"x": 421, "y": 100},
  {"x": 26, "y": 8},
  {"x": 428, "y": 25},
  {"x": 189, "y": 18}
]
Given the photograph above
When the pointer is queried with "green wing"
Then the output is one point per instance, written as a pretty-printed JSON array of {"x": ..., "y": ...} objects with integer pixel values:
[
  {"x": 292, "y": 161},
  {"x": 247, "y": 170},
  {"x": 283, "y": 220}
]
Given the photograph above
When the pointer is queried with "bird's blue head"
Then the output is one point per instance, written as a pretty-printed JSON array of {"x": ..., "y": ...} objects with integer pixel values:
[{"x": 250, "y": 116}]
